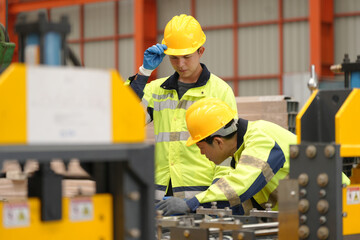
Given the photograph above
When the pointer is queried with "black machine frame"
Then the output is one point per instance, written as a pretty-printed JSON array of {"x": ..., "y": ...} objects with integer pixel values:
[{"x": 118, "y": 169}]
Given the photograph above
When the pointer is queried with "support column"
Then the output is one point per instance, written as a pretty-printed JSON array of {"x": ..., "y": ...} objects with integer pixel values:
[
  {"x": 145, "y": 31},
  {"x": 321, "y": 25}
]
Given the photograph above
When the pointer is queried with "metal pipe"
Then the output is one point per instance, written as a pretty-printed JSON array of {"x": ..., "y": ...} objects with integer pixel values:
[
  {"x": 264, "y": 232},
  {"x": 260, "y": 225}
]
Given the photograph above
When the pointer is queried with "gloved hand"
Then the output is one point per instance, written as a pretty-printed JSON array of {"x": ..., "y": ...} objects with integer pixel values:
[
  {"x": 153, "y": 56},
  {"x": 173, "y": 206}
]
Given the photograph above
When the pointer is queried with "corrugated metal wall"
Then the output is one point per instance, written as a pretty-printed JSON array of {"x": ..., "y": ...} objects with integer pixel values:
[
  {"x": 250, "y": 46},
  {"x": 347, "y": 31},
  {"x": 99, "y": 29},
  {"x": 258, "y": 48}
]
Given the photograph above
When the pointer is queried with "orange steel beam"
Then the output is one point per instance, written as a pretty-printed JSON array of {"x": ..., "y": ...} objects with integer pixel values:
[
  {"x": 16, "y": 7},
  {"x": 321, "y": 22},
  {"x": 3, "y": 12},
  {"x": 145, "y": 32}
]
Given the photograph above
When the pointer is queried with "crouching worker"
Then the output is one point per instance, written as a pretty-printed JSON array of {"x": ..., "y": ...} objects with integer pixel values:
[{"x": 260, "y": 152}]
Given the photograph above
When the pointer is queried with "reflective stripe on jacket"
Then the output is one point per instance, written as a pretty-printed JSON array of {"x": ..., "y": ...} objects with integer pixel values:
[
  {"x": 190, "y": 172},
  {"x": 262, "y": 159}
]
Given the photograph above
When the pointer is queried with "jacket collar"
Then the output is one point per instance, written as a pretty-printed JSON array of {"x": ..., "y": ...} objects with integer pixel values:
[
  {"x": 242, "y": 125},
  {"x": 172, "y": 81},
  {"x": 242, "y": 128}
]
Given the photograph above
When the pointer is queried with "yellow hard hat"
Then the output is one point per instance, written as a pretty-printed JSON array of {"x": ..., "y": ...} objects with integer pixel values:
[
  {"x": 183, "y": 35},
  {"x": 205, "y": 117}
]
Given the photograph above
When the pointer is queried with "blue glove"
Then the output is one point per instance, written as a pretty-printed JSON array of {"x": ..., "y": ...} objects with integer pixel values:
[
  {"x": 173, "y": 206},
  {"x": 153, "y": 56}
]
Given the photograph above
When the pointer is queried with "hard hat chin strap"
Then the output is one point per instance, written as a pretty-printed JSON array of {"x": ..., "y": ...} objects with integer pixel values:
[{"x": 225, "y": 131}]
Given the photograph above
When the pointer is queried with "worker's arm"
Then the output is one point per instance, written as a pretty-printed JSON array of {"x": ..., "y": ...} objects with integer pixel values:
[
  {"x": 260, "y": 161},
  {"x": 153, "y": 56},
  {"x": 138, "y": 83}
]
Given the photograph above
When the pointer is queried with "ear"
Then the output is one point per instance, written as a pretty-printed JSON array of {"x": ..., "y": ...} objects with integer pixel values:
[
  {"x": 219, "y": 141},
  {"x": 201, "y": 50}
]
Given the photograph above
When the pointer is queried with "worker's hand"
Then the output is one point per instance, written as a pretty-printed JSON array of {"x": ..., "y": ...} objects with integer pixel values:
[
  {"x": 153, "y": 56},
  {"x": 173, "y": 206}
]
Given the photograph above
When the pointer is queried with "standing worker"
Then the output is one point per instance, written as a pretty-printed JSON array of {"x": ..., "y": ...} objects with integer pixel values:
[
  {"x": 260, "y": 150},
  {"x": 179, "y": 170}
]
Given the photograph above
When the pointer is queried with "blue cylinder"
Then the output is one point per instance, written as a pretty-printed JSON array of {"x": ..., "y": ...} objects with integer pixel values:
[
  {"x": 52, "y": 49},
  {"x": 355, "y": 80},
  {"x": 32, "y": 39}
]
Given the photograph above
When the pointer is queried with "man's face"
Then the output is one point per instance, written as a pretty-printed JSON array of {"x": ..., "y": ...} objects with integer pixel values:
[
  {"x": 186, "y": 65},
  {"x": 212, "y": 151}
]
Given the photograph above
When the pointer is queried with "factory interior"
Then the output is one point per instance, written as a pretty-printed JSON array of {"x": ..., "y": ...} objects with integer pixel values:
[{"x": 180, "y": 119}]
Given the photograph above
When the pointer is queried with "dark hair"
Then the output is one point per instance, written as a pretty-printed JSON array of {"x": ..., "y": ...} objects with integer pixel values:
[{"x": 210, "y": 138}]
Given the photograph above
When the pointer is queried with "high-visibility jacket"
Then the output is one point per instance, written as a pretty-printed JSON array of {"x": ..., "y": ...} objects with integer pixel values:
[
  {"x": 190, "y": 172},
  {"x": 262, "y": 159}
]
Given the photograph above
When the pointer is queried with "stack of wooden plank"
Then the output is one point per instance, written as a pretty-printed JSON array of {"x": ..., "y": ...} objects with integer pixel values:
[
  {"x": 13, "y": 183},
  {"x": 278, "y": 109}
]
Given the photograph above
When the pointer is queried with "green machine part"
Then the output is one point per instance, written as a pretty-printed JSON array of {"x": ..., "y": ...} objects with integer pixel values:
[{"x": 6, "y": 49}]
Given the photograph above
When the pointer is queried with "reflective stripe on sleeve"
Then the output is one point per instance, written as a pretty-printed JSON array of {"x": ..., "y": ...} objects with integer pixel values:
[
  {"x": 228, "y": 191},
  {"x": 259, "y": 164},
  {"x": 247, "y": 206},
  {"x": 145, "y": 102},
  {"x": 171, "y": 136}
]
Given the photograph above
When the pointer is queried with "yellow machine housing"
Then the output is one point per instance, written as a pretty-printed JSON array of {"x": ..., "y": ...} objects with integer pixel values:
[{"x": 99, "y": 227}]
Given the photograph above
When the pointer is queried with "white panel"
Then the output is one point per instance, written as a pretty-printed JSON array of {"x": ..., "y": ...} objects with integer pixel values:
[
  {"x": 341, "y": 6},
  {"x": 72, "y": 14},
  {"x": 295, "y": 86},
  {"x": 296, "y": 47},
  {"x": 258, "y": 50},
  {"x": 258, "y": 87},
  {"x": 347, "y": 38},
  {"x": 75, "y": 47},
  {"x": 99, "y": 54},
  {"x": 295, "y": 8},
  {"x": 126, "y": 16},
  {"x": 167, "y": 9},
  {"x": 99, "y": 19},
  {"x": 218, "y": 52},
  {"x": 214, "y": 12},
  {"x": 126, "y": 58},
  {"x": 257, "y": 10},
  {"x": 73, "y": 108}
]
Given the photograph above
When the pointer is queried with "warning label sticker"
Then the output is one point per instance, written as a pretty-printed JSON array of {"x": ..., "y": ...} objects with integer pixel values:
[
  {"x": 353, "y": 195},
  {"x": 81, "y": 209},
  {"x": 16, "y": 215}
]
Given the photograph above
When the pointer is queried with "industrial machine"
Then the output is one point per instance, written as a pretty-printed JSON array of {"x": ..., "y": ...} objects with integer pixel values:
[
  {"x": 52, "y": 113},
  {"x": 63, "y": 113}
]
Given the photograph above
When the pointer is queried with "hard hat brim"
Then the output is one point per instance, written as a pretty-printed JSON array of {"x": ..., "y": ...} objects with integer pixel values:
[
  {"x": 191, "y": 141},
  {"x": 180, "y": 52}
]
